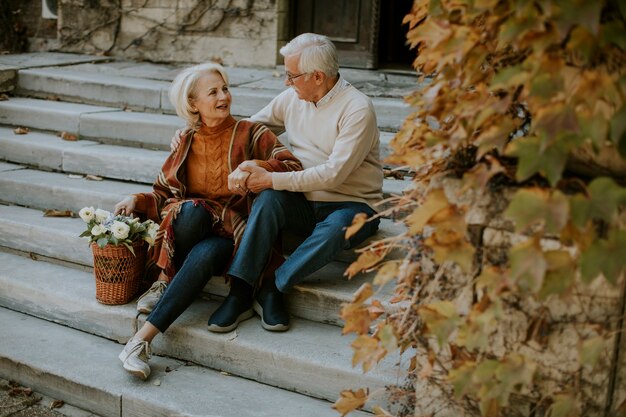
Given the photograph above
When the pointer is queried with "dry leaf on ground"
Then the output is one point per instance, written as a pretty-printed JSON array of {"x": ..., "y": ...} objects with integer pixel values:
[
  {"x": 91, "y": 177},
  {"x": 21, "y": 130},
  {"x": 57, "y": 404},
  {"x": 58, "y": 213},
  {"x": 68, "y": 136}
]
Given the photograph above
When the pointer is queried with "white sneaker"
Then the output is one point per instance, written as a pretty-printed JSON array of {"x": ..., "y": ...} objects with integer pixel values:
[
  {"x": 149, "y": 299},
  {"x": 135, "y": 358}
]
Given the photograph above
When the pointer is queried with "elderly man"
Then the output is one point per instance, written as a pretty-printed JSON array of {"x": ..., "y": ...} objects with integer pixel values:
[{"x": 332, "y": 129}]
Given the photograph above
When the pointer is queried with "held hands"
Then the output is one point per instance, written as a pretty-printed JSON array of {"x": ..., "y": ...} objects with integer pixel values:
[
  {"x": 249, "y": 177},
  {"x": 126, "y": 207}
]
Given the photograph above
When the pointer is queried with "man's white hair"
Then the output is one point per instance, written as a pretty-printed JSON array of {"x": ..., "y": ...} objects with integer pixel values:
[
  {"x": 184, "y": 89},
  {"x": 317, "y": 53}
]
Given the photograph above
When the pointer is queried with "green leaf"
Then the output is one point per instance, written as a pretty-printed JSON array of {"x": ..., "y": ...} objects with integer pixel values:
[
  {"x": 606, "y": 256},
  {"x": 441, "y": 318},
  {"x": 85, "y": 233},
  {"x": 129, "y": 247},
  {"x": 618, "y": 130},
  {"x": 102, "y": 242},
  {"x": 461, "y": 379},
  {"x": 510, "y": 77},
  {"x": 606, "y": 197},
  {"x": 560, "y": 275},
  {"x": 563, "y": 405},
  {"x": 546, "y": 85},
  {"x": 580, "y": 209},
  {"x": 613, "y": 32},
  {"x": 535, "y": 205},
  {"x": 590, "y": 350},
  {"x": 388, "y": 338},
  {"x": 533, "y": 159},
  {"x": 528, "y": 266}
]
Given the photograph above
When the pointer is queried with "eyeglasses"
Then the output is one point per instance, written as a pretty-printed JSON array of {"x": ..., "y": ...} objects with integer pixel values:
[{"x": 291, "y": 77}]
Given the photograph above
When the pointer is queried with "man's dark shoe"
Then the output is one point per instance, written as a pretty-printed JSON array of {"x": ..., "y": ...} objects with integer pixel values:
[
  {"x": 271, "y": 307},
  {"x": 228, "y": 316},
  {"x": 235, "y": 308}
]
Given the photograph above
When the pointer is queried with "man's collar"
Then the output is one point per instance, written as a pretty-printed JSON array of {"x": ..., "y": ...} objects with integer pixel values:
[{"x": 338, "y": 87}]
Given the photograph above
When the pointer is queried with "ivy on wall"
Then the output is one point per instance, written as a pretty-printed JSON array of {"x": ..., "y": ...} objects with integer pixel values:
[{"x": 510, "y": 291}]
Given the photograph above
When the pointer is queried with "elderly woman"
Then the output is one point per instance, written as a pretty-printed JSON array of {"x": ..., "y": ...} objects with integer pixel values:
[{"x": 201, "y": 221}]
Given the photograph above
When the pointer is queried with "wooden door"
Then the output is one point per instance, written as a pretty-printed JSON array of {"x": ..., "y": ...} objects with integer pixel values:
[{"x": 352, "y": 25}]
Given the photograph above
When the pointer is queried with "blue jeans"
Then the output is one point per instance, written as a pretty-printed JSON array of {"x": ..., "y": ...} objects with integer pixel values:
[
  {"x": 322, "y": 223},
  {"x": 199, "y": 254}
]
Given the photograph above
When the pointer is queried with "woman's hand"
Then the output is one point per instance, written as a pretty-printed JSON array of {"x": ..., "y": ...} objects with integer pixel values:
[
  {"x": 238, "y": 178},
  {"x": 126, "y": 207}
]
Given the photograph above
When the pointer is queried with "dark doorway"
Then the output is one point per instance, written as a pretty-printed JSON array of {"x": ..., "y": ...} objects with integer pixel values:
[
  {"x": 393, "y": 52},
  {"x": 351, "y": 24}
]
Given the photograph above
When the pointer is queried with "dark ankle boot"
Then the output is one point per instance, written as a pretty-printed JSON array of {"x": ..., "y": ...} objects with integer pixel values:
[
  {"x": 235, "y": 308},
  {"x": 269, "y": 304}
]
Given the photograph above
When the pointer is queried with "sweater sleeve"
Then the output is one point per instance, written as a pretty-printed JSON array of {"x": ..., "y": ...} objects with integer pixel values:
[
  {"x": 274, "y": 113},
  {"x": 270, "y": 154},
  {"x": 357, "y": 134}
]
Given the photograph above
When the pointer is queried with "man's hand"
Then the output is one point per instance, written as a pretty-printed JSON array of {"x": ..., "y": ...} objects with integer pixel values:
[
  {"x": 177, "y": 139},
  {"x": 259, "y": 178}
]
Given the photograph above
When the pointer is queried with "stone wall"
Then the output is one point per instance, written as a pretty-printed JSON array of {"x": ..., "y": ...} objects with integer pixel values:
[{"x": 234, "y": 32}]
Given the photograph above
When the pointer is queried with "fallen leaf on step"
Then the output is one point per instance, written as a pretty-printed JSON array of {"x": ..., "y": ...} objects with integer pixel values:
[
  {"x": 53, "y": 98},
  {"x": 21, "y": 130},
  {"x": 225, "y": 373},
  {"x": 57, "y": 404},
  {"x": 68, "y": 136},
  {"x": 276, "y": 74},
  {"x": 58, "y": 213},
  {"x": 93, "y": 178},
  {"x": 157, "y": 382},
  {"x": 13, "y": 392},
  {"x": 32, "y": 256},
  {"x": 168, "y": 369},
  {"x": 4, "y": 97},
  {"x": 390, "y": 173},
  {"x": 350, "y": 400},
  {"x": 75, "y": 176}
]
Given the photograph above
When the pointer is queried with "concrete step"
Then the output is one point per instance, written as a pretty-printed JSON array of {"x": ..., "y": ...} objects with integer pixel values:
[
  {"x": 105, "y": 124},
  {"x": 310, "y": 358},
  {"x": 51, "y": 190},
  {"x": 50, "y": 152},
  {"x": 82, "y": 84},
  {"x": 84, "y": 370},
  {"x": 28, "y": 231}
]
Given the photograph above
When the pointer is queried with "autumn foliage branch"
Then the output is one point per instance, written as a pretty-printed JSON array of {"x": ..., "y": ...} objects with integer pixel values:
[{"x": 508, "y": 293}]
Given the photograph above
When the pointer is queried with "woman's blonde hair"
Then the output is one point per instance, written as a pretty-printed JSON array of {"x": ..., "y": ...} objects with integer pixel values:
[{"x": 183, "y": 90}]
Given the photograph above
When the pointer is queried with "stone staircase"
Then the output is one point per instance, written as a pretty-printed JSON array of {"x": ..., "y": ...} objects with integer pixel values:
[{"x": 59, "y": 340}]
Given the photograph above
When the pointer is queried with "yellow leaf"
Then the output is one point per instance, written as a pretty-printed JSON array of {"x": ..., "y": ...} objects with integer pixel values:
[
  {"x": 356, "y": 319},
  {"x": 435, "y": 202},
  {"x": 386, "y": 273},
  {"x": 365, "y": 261},
  {"x": 367, "y": 351},
  {"x": 358, "y": 222},
  {"x": 363, "y": 293},
  {"x": 351, "y": 400}
]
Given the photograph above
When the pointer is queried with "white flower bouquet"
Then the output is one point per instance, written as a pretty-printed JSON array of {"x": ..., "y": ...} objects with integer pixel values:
[
  {"x": 104, "y": 228},
  {"x": 119, "y": 251}
]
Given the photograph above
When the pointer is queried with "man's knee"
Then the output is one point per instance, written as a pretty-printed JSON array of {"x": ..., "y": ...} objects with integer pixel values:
[{"x": 271, "y": 201}]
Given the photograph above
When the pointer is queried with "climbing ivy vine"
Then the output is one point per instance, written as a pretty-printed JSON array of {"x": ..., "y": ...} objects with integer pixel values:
[{"x": 509, "y": 286}]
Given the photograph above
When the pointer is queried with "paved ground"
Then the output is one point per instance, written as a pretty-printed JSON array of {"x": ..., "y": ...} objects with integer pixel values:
[{"x": 19, "y": 401}]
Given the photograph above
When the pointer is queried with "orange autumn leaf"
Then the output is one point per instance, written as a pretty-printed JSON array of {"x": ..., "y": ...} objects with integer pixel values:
[
  {"x": 357, "y": 223},
  {"x": 351, "y": 400},
  {"x": 367, "y": 351},
  {"x": 366, "y": 260},
  {"x": 356, "y": 319}
]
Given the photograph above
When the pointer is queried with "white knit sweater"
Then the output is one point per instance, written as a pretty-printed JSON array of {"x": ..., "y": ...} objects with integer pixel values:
[{"x": 336, "y": 140}]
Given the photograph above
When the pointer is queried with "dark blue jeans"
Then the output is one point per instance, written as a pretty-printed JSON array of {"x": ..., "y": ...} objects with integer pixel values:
[
  {"x": 322, "y": 223},
  {"x": 198, "y": 255}
]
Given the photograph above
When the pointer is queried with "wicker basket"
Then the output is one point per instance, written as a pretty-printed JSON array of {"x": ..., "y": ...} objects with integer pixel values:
[{"x": 118, "y": 272}]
